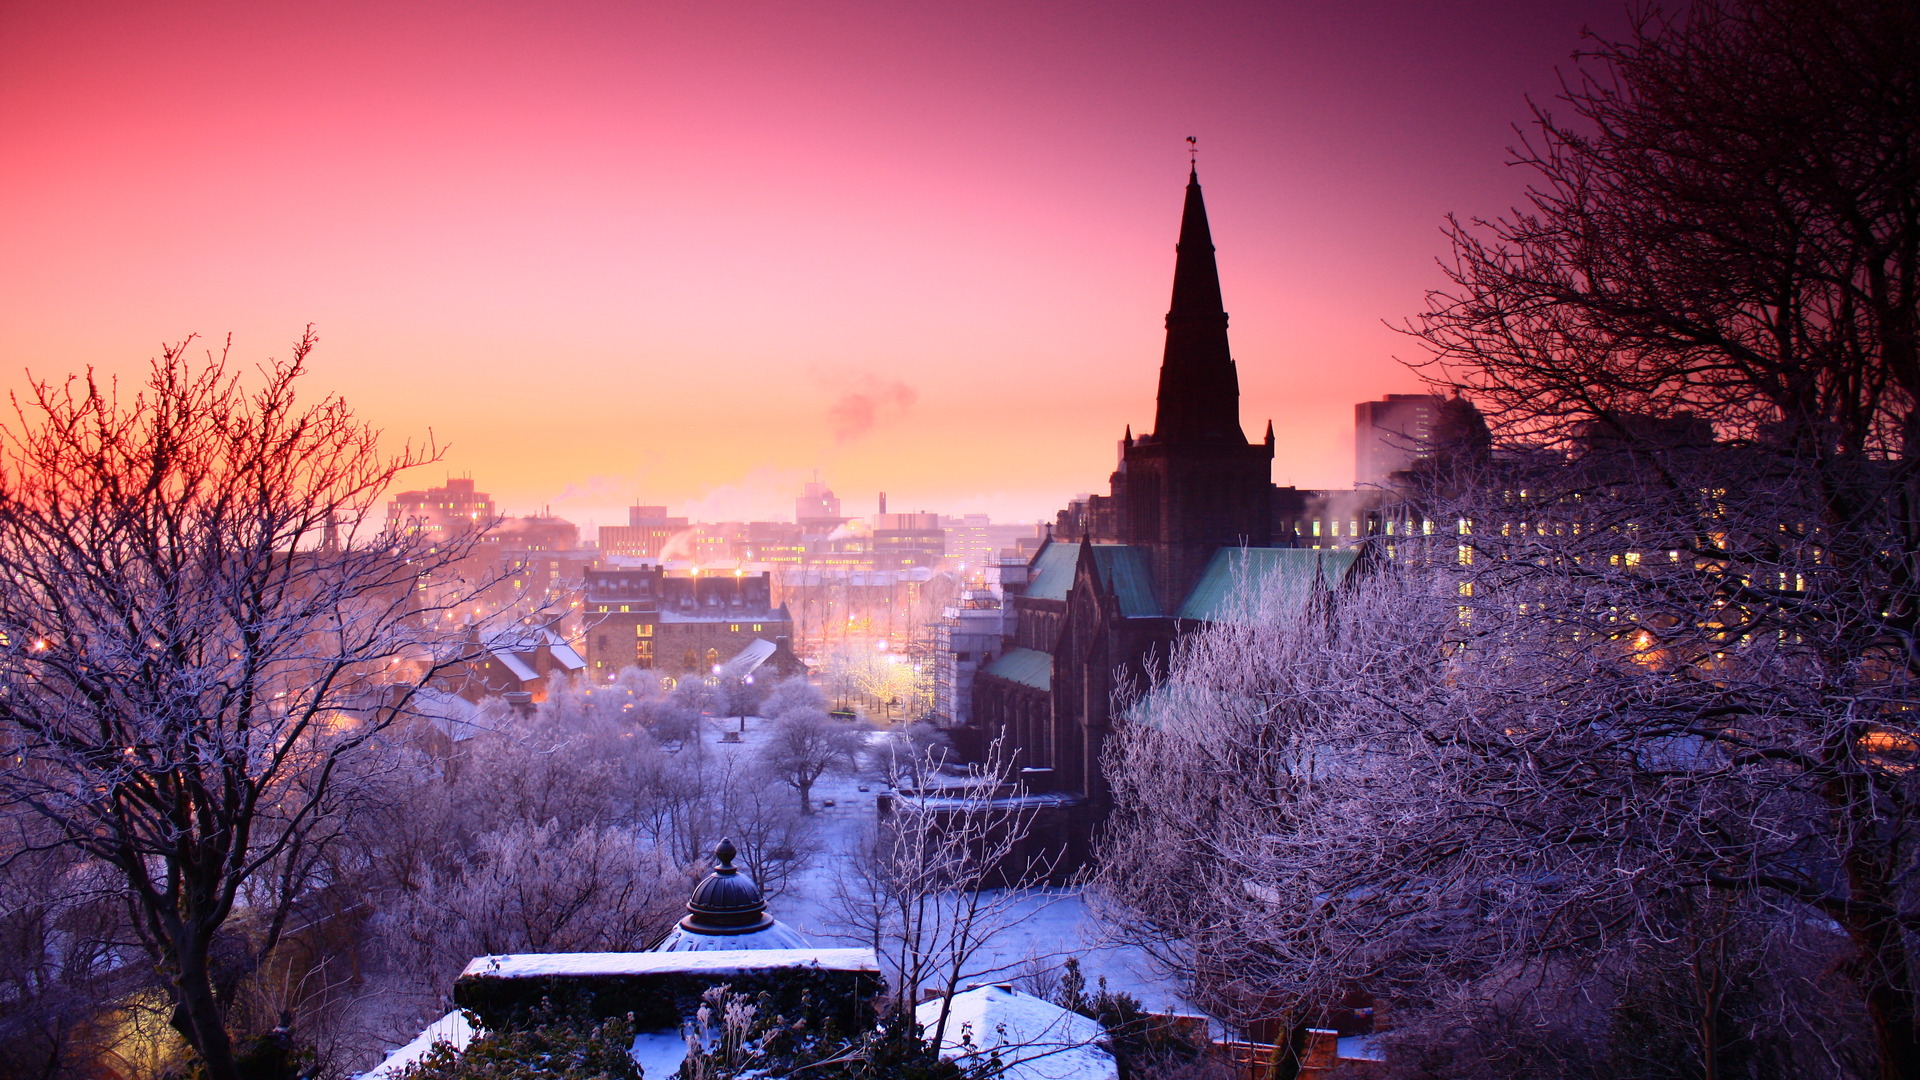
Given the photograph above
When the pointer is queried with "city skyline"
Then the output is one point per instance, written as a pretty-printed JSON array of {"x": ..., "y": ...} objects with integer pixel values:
[{"x": 617, "y": 255}]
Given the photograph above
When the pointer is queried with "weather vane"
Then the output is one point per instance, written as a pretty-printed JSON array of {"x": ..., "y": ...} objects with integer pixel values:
[{"x": 1193, "y": 150}]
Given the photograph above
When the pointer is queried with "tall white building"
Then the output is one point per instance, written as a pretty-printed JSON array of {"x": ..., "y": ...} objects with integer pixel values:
[
  {"x": 968, "y": 637},
  {"x": 1392, "y": 434}
]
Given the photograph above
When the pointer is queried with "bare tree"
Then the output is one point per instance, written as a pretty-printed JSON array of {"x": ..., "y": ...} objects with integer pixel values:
[
  {"x": 689, "y": 802},
  {"x": 1706, "y": 327},
  {"x": 200, "y": 629},
  {"x": 944, "y": 872},
  {"x": 739, "y": 695},
  {"x": 805, "y": 744}
]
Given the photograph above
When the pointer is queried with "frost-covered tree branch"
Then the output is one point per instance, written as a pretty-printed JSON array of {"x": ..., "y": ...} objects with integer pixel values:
[{"x": 201, "y": 627}]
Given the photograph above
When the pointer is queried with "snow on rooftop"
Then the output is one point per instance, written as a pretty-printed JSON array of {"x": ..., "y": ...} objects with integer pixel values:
[
  {"x": 519, "y": 668},
  {"x": 716, "y": 962},
  {"x": 1360, "y": 1048},
  {"x": 1037, "y": 1039},
  {"x": 749, "y": 659}
]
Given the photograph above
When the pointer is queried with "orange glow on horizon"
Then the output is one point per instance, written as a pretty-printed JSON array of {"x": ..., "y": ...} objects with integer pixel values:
[{"x": 685, "y": 254}]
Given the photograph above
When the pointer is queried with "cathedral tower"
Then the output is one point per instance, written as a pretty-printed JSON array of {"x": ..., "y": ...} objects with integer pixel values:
[{"x": 1195, "y": 484}]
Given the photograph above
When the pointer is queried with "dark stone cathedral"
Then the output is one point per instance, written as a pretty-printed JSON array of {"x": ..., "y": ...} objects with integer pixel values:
[{"x": 1189, "y": 527}]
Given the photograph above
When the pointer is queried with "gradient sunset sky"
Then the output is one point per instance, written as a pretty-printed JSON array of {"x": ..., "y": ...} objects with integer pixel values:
[{"x": 689, "y": 252}]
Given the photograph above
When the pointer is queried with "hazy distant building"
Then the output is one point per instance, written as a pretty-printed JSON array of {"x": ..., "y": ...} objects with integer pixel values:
[
  {"x": 776, "y": 543},
  {"x": 716, "y": 543},
  {"x": 535, "y": 563},
  {"x": 974, "y": 541},
  {"x": 818, "y": 509},
  {"x": 526, "y": 563},
  {"x": 902, "y": 541},
  {"x": 640, "y": 616},
  {"x": 1393, "y": 435},
  {"x": 441, "y": 511},
  {"x": 644, "y": 536}
]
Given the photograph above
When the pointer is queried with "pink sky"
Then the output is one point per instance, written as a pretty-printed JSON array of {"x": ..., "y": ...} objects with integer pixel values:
[{"x": 687, "y": 253}]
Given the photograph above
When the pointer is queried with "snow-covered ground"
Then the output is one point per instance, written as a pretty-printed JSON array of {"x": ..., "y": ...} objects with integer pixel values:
[{"x": 1046, "y": 926}]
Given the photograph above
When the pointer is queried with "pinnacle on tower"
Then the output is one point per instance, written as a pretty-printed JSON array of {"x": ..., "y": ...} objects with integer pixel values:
[{"x": 1199, "y": 397}]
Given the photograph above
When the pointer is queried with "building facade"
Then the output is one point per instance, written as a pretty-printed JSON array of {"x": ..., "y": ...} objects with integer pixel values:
[
  {"x": 443, "y": 511},
  {"x": 644, "y": 536},
  {"x": 639, "y": 616}
]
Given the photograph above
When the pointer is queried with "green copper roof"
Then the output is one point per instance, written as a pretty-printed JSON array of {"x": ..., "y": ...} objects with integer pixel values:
[
  {"x": 1053, "y": 571},
  {"x": 1125, "y": 571},
  {"x": 1026, "y": 666},
  {"x": 1236, "y": 576}
]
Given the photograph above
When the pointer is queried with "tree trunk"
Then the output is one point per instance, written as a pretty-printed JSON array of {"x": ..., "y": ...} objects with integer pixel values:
[
  {"x": 197, "y": 1017},
  {"x": 1890, "y": 1003},
  {"x": 1287, "y": 1056},
  {"x": 806, "y": 796}
]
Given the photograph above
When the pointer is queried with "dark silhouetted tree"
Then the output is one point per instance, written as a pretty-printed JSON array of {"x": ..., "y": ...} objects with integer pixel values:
[{"x": 201, "y": 631}]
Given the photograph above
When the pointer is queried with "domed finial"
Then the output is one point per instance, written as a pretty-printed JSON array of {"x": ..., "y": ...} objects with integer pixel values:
[{"x": 725, "y": 853}]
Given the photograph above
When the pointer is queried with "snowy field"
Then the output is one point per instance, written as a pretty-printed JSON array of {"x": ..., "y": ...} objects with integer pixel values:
[{"x": 1048, "y": 925}]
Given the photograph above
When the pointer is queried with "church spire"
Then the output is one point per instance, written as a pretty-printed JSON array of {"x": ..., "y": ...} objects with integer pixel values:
[{"x": 1199, "y": 389}]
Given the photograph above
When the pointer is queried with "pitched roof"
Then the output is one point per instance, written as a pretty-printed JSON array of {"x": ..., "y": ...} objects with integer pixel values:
[
  {"x": 565, "y": 656},
  {"x": 1237, "y": 577},
  {"x": 749, "y": 659},
  {"x": 1125, "y": 571},
  {"x": 1033, "y": 1038},
  {"x": 1052, "y": 573},
  {"x": 1029, "y": 667},
  {"x": 515, "y": 666}
]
